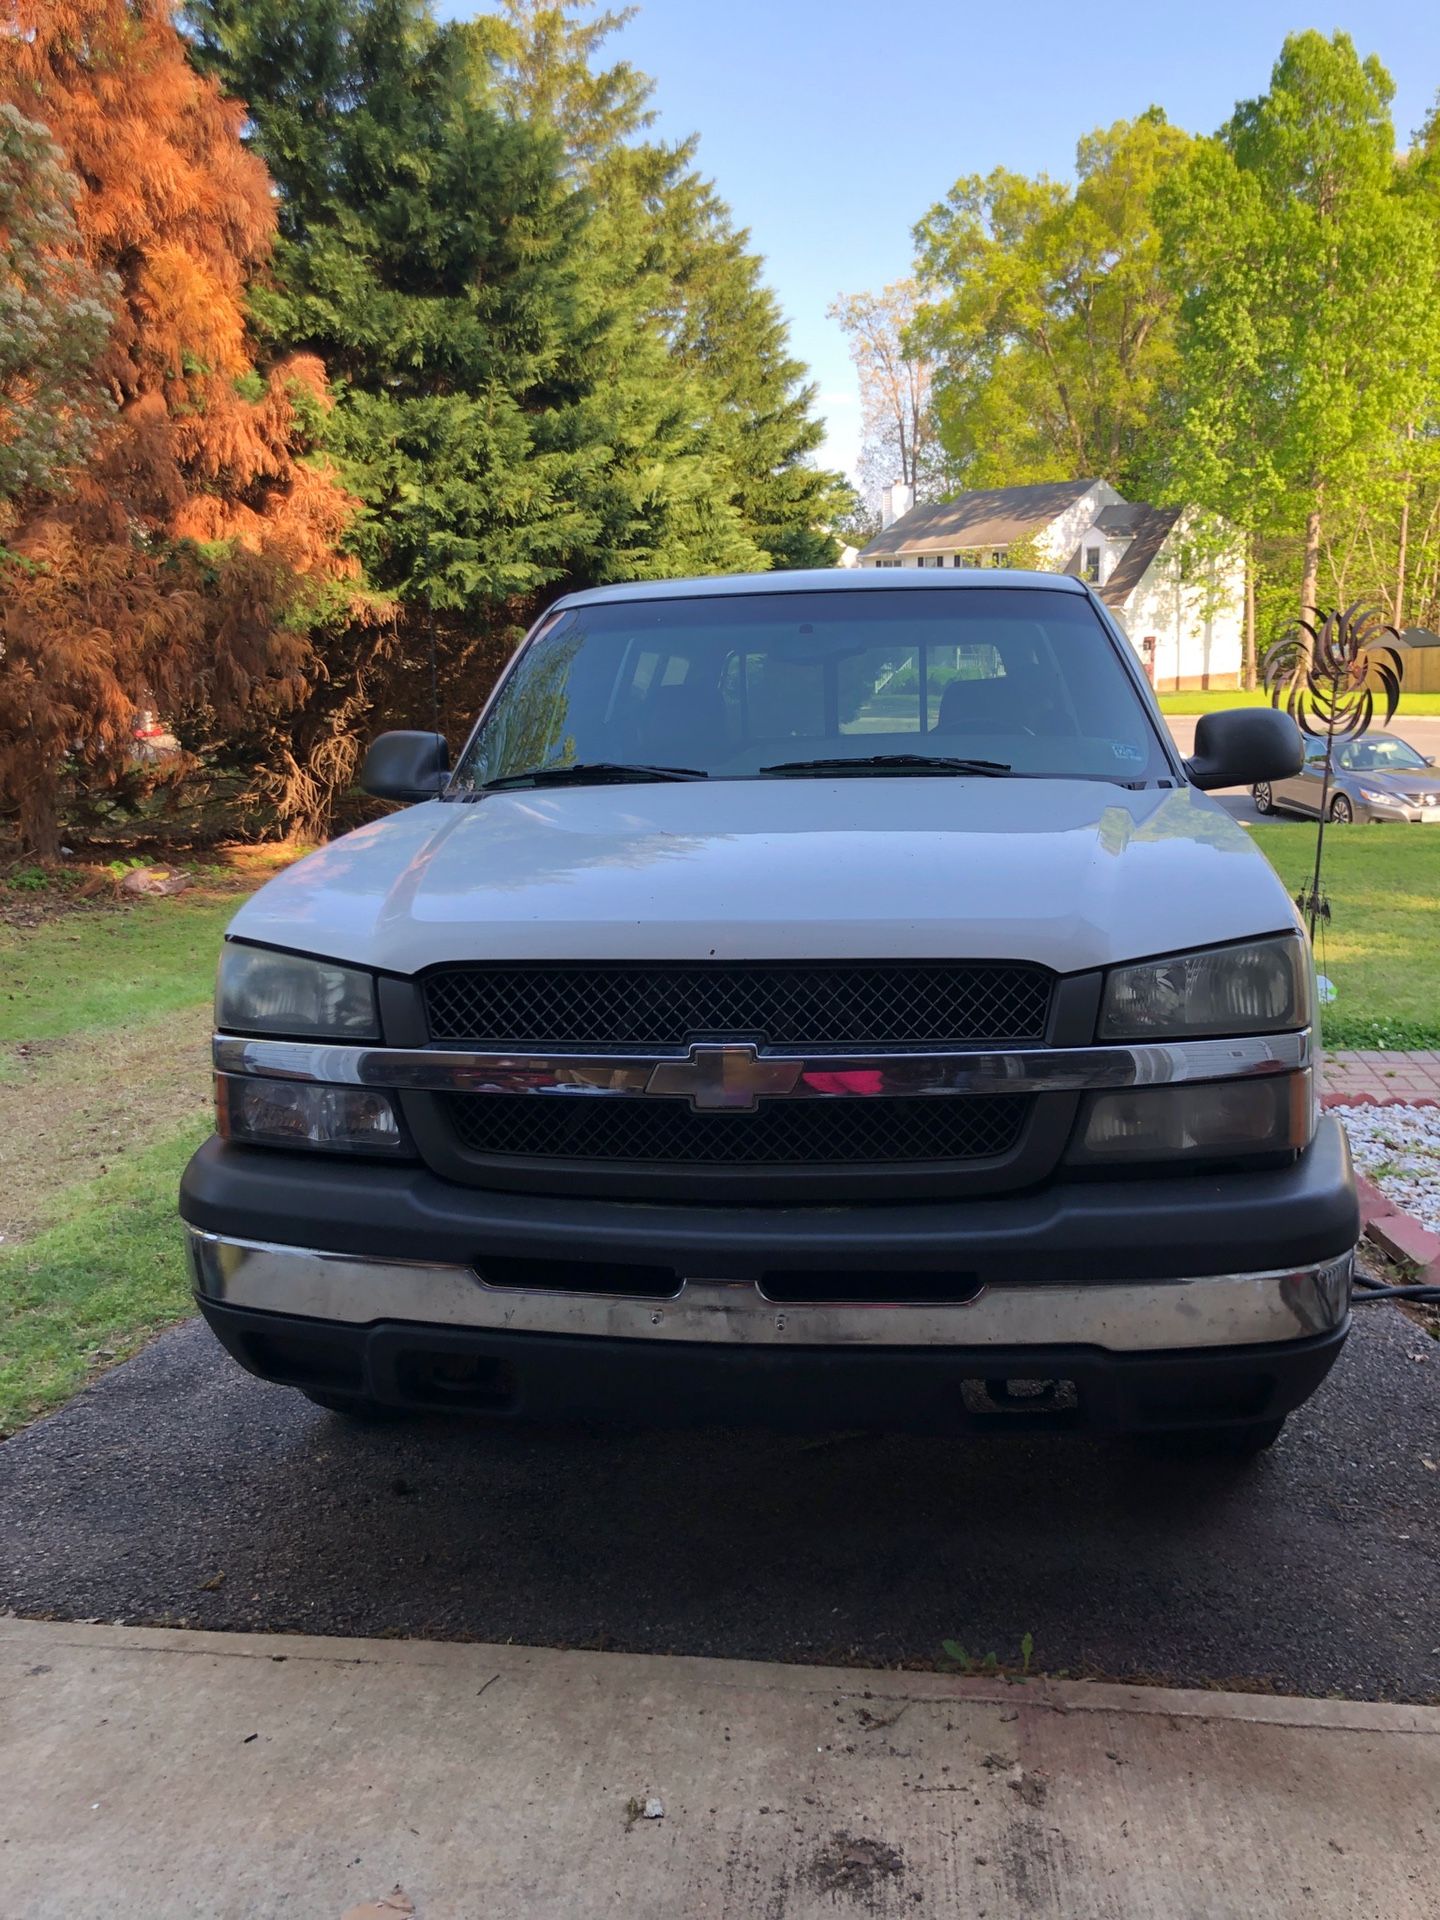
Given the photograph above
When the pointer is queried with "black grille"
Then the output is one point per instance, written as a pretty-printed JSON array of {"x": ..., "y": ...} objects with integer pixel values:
[
  {"x": 780, "y": 1005},
  {"x": 787, "y": 1133}
]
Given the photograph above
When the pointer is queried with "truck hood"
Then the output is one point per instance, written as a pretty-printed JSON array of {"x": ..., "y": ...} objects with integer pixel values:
[{"x": 1071, "y": 874}]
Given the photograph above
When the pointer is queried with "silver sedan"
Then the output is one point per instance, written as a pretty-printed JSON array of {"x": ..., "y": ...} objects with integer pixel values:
[{"x": 1376, "y": 777}]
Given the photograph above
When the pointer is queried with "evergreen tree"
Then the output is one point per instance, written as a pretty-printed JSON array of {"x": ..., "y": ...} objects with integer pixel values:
[
  {"x": 706, "y": 294},
  {"x": 507, "y": 407},
  {"x": 545, "y": 55}
]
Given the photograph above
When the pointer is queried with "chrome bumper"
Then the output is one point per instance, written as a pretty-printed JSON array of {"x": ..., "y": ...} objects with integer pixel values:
[
  {"x": 713, "y": 1077},
  {"x": 1132, "y": 1316}
]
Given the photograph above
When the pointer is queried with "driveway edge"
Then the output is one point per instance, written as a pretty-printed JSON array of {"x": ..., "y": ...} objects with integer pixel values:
[{"x": 880, "y": 1684}]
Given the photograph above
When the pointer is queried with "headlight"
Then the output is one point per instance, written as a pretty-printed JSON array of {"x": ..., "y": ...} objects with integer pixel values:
[
  {"x": 1210, "y": 1120},
  {"x": 289, "y": 1113},
  {"x": 1263, "y": 987},
  {"x": 263, "y": 992},
  {"x": 1381, "y": 799}
]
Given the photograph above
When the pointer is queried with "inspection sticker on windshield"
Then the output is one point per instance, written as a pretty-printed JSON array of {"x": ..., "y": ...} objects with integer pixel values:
[{"x": 1127, "y": 750}]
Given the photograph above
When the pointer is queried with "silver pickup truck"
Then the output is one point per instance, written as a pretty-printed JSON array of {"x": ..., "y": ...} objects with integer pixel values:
[{"x": 812, "y": 998}]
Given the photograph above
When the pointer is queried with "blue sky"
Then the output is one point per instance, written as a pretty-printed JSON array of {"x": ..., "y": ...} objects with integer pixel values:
[{"x": 830, "y": 128}]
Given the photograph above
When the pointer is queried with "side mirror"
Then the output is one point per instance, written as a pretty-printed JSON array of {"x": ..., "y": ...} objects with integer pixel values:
[
  {"x": 406, "y": 766},
  {"x": 1240, "y": 745}
]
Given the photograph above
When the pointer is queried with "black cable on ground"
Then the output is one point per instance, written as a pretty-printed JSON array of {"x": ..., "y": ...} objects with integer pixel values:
[{"x": 1367, "y": 1291}]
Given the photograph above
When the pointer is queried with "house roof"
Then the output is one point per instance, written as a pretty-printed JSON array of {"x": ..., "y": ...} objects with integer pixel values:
[
  {"x": 1152, "y": 524},
  {"x": 1119, "y": 518},
  {"x": 986, "y": 517}
]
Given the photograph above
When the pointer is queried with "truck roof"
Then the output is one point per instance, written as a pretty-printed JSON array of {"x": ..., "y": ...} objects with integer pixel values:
[{"x": 823, "y": 580}]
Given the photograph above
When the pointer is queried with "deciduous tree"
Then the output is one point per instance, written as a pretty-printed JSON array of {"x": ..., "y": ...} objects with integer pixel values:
[
  {"x": 55, "y": 312},
  {"x": 184, "y": 563},
  {"x": 897, "y": 412},
  {"x": 1308, "y": 332},
  {"x": 1047, "y": 314}
]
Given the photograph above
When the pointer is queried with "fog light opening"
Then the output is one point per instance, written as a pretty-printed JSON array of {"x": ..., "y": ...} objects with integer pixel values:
[
  {"x": 1004, "y": 1396},
  {"x": 457, "y": 1379}
]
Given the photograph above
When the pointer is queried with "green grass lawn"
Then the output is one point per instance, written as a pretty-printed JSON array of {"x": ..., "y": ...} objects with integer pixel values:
[
  {"x": 104, "y": 1267},
  {"x": 94, "y": 1286},
  {"x": 1413, "y": 705},
  {"x": 90, "y": 970},
  {"x": 1381, "y": 947}
]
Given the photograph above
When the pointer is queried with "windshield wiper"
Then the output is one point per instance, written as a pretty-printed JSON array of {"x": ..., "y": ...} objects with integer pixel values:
[
  {"x": 892, "y": 763},
  {"x": 588, "y": 772}
]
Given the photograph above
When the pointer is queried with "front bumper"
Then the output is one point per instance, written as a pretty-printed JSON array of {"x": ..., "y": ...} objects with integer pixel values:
[
  {"x": 1403, "y": 812},
  {"x": 934, "y": 1389},
  {"x": 1138, "y": 1303},
  {"x": 1130, "y": 1316}
]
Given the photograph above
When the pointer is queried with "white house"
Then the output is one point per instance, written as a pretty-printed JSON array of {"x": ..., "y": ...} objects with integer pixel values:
[{"x": 1182, "y": 609}]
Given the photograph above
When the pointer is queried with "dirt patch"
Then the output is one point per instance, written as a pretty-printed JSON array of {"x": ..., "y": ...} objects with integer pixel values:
[
  {"x": 854, "y": 1867},
  {"x": 82, "y": 1104}
]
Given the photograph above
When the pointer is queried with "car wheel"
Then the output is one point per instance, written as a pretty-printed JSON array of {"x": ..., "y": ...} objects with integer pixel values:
[
  {"x": 1218, "y": 1443},
  {"x": 358, "y": 1407},
  {"x": 1264, "y": 800},
  {"x": 1341, "y": 811}
]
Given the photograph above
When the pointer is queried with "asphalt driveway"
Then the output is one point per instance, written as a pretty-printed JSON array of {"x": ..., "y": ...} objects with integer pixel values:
[{"x": 177, "y": 1491}]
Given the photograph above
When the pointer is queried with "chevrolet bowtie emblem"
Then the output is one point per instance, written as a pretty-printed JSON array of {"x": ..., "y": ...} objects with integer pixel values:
[{"x": 718, "y": 1078}]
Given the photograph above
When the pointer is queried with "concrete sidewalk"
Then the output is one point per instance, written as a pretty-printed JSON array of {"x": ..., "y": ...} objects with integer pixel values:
[{"x": 160, "y": 1774}]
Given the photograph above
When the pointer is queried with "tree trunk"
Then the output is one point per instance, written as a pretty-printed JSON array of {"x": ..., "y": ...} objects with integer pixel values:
[
  {"x": 1250, "y": 662},
  {"x": 1310, "y": 576},
  {"x": 1399, "y": 613},
  {"x": 39, "y": 822}
]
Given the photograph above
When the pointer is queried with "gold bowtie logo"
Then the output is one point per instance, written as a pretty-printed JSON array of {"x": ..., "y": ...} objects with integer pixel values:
[{"x": 717, "y": 1078}]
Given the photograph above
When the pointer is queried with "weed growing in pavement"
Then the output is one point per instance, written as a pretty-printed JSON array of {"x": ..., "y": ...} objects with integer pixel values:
[{"x": 958, "y": 1656}]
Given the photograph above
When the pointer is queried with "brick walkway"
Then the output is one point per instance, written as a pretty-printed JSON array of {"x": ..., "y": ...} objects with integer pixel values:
[{"x": 1360, "y": 1079}]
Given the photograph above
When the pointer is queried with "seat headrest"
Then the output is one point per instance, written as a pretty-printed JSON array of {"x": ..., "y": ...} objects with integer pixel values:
[
  {"x": 966, "y": 704},
  {"x": 687, "y": 711}
]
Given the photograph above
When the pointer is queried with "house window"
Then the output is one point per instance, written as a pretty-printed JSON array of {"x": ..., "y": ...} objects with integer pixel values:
[
  {"x": 1091, "y": 569},
  {"x": 997, "y": 557}
]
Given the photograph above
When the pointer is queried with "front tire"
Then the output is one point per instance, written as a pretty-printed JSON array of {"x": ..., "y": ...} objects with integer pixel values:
[
  {"x": 1341, "y": 811},
  {"x": 1262, "y": 796}
]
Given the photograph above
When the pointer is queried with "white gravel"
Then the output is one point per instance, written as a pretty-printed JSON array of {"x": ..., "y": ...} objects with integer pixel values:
[{"x": 1399, "y": 1149}]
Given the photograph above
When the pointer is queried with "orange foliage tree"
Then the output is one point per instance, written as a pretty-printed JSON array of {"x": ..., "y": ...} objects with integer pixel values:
[{"x": 184, "y": 564}]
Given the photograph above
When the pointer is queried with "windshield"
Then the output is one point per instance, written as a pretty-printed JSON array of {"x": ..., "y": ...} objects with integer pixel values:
[
  {"x": 1026, "y": 680},
  {"x": 1380, "y": 753}
]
